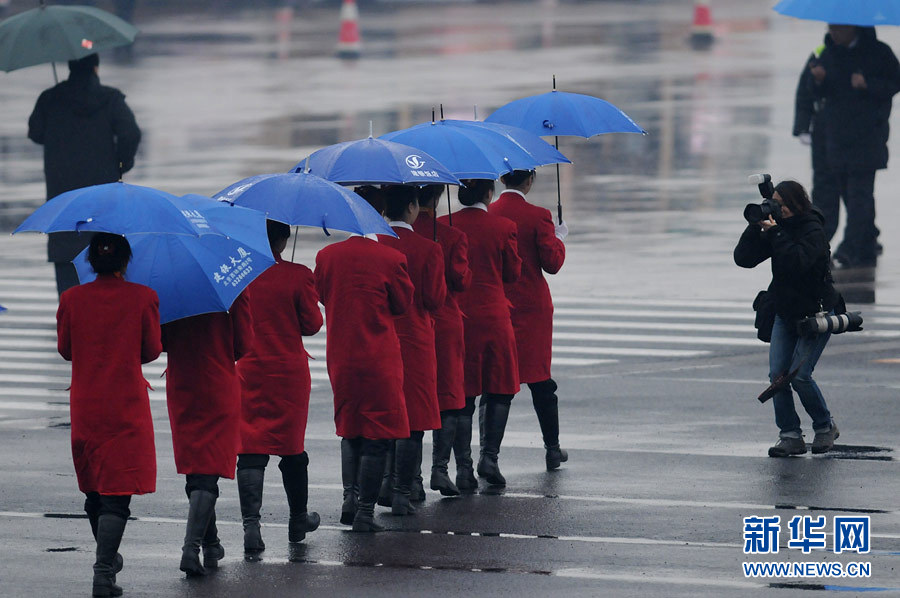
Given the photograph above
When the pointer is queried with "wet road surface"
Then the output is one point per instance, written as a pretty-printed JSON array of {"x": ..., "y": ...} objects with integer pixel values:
[{"x": 654, "y": 348}]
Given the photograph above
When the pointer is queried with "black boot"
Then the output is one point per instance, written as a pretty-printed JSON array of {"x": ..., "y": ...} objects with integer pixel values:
[
  {"x": 462, "y": 449},
  {"x": 405, "y": 470},
  {"x": 92, "y": 508},
  {"x": 201, "y": 509},
  {"x": 250, "y": 491},
  {"x": 350, "y": 479},
  {"x": 213, "y": 551},
  {"x": 389, "y": 480},
  {"x": 109, "y": 535},
  {"x": 495, "y": 415},
  {"x": 543, "y": 396},
  {"x": 417, "y": 490},
  {"x": 371, "y": 470},
  {"x": 295, "y": 477},
  {"x": 440, "y": 455}
]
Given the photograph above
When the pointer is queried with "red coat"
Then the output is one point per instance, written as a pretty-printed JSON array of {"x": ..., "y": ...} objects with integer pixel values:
[
  {"x": 532, "y": 307},
  {"x": 415, "y": 328},
  {"x": 491, "y": 361},
  {"x": 448, "y": 319},
  {"x": 203, "y": 390},
  {"x": 274, "y": 374},
  {"x": 107, "y": 329},
  {"x": 363, "y": 285}
]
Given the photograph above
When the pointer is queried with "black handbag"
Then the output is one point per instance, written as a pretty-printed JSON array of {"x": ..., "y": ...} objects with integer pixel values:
[{"x": 764, "y": 306}]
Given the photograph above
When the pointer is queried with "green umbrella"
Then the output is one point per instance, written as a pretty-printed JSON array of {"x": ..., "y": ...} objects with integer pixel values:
[{"x": 59, "y": 34}]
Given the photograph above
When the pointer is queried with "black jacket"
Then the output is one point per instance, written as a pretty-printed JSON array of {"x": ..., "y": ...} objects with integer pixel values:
[
  {"x": 89, "y": 136},
  {"x": 801, "y": 279},
  {"x": 856, "y": 120}
]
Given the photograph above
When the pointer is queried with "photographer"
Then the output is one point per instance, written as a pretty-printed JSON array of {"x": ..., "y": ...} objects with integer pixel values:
[{"x": 793, "y": 236}]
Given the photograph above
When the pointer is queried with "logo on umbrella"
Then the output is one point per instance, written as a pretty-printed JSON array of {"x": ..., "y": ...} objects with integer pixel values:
[
  {"x": 87, "y": 44},
  {"x": 414, "y": 161}
]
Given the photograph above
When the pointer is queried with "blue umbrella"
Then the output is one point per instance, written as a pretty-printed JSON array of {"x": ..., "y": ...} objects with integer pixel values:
[
  {"x": 197, "y": 275},
  {"x": 560, "y": 113},
  {"x": 862, "y": 13},
  {"x": 531, "y": 143},
  {"x": 117, "y": 208},
  {"x": 302, "y": 199},
  {"x": 472, "y": 150},
  {"x": 375, "y": 161}
]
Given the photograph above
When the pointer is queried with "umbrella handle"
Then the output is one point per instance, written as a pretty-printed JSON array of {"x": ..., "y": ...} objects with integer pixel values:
[
  {"x": 449, "y": 208},
  {"x": 558, "y": 192}
]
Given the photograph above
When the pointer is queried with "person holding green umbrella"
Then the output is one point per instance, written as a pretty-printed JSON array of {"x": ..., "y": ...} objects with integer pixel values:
[{"x": 90, "y": 137}]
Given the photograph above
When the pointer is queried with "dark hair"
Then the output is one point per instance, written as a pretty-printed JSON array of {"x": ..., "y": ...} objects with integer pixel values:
[
  {"x": 373, "y": 195},
  {"x": 277, "y": 232},
  {"x": 429, "y": 195},
  {"x": 794, "y": 196},
  {"x": 84, "y": 65},
  {"x": 475, "y": 190},
  {"x": 516, "y": 177},
  {"x": 109, "y": 253},
  {"x": 396, "y": 199}
]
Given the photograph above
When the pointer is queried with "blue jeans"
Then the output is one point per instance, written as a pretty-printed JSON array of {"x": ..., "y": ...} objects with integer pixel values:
[{"x": 786, "y": 351}]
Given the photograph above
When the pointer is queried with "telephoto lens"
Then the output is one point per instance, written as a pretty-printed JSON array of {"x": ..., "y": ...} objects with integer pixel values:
[{"x": 835, "y": 324}]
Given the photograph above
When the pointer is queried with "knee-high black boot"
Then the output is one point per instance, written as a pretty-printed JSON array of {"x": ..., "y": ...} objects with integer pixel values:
[
  {"x": 389, "y": 480},
  {"x": 546, "y": 406},
  {"x": 371, "y": 470},
  {"x": 349, "y": 478},
  {"x": 295, "y": 477},
  {"x": 213, "y": 551},
  {"x": 92, "y": 508},
  {"x": 406, "y": 451},
  {"x": 462, "y": 449},
  {"x": 417, "y": 490},
  {"x": 250, "y": 491},
  {"x": 443, "y": 440},
  {"x": 109, "y": 535},
  {"x": 202, "y": 506},
  {"x": 496, "y": 414}
]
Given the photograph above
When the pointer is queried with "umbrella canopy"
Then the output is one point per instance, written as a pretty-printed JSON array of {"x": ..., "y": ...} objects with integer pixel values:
[
  {"x": 58, "y": 34},
  {"x": 561, "y": 113},
  {"x": 471, "y": 150},
  {"x": 197, "y": 275},
  {"x": 530, "y": 142},
  {"x": 375, "y": 161},
  {"x": 117, "y": 208},
  {"x": 302, "y": 199},
  {"x": 863, "y": 13}
]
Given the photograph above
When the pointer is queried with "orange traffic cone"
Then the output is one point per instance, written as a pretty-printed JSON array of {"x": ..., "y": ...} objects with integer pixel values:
[
  {"x": 701, "y": 30},
  {"x": 349, "y": 43}
]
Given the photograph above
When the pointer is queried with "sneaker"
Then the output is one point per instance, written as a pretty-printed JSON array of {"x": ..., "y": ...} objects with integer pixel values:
[
  {"x": 785, "y": 447},
  {"x": 824, "y": 441}
]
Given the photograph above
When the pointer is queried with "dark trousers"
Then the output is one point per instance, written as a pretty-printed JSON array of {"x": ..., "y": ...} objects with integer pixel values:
[
  {"x": 201, "y": 481},
  {"x": 857, "y": 189},
  {"x": 96, "y": 504}
]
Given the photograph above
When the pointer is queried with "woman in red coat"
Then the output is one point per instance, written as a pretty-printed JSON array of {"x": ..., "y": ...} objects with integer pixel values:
[
  {"x": 542, "y": 249},
  {"x": 491, "y": 362},
  {"x": 275, "y": 387},
  {"x": 107, "y": 328},
  {"x": 450, "y": 351},
  {"x": 204, "y": 398},
  {"x": 363, "y": 285},
  {"x": 415, "y": 329}
]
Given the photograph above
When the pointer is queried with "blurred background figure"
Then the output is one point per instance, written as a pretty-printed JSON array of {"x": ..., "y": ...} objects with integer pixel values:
[
  {"x": 90, "y": 137},
  {"x": 856, "y": 76}
]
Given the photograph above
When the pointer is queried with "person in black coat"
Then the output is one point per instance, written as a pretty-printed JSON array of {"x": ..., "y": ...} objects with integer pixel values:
[
  {"x": 90, "y": 137},
  {"x": 801, "y": 284},
  {"x": 855, "y": 78}
]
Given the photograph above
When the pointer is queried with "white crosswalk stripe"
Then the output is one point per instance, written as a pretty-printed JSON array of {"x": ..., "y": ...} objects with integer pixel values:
[{"x": 589, "y": 332}]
